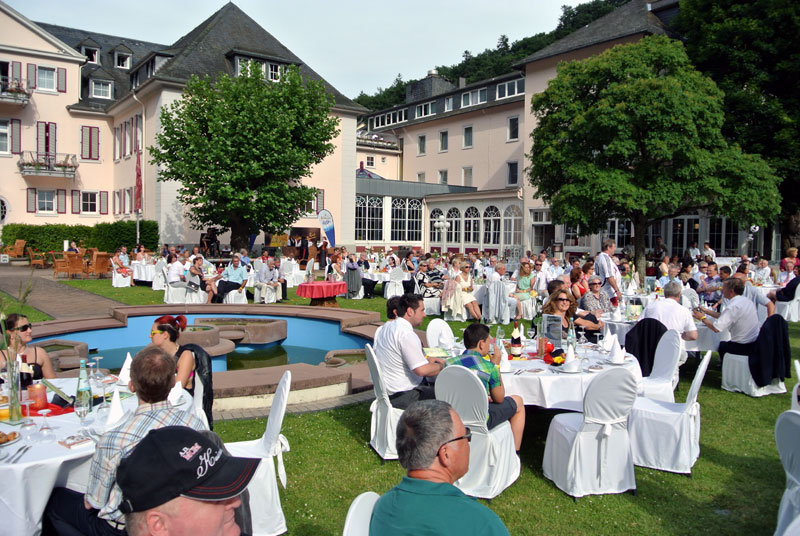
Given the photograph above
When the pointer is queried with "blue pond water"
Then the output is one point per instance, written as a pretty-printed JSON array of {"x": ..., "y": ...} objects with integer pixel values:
[{"x": 307, "y": 341}]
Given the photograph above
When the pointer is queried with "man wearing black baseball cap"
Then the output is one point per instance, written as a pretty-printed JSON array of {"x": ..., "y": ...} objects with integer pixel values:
[{"x": 178, "y": 481}]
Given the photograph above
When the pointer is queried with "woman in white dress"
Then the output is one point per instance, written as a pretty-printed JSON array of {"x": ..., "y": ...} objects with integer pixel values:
[
  {"x": 464, "y": 280},
  {"x": 336, "y": 273}
]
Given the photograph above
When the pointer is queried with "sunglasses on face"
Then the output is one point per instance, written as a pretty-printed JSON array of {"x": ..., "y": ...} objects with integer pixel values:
[
  {"x": 23, "y": 327},
  {"x": 562, "y": 299},
  {"x": 155, "y": 332},
  {"x": 594, "y": 284},
  {"x": 467, "y": 436}
]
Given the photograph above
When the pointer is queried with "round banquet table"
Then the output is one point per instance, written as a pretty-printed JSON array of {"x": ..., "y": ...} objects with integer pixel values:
[
  {"x": 706, "y": 340},
  {"x": 142, "y": 271},
  {"x": 552, "y": 388},
  {"x": 28, "y": 482},
  {"x": 322, "y": 293}
]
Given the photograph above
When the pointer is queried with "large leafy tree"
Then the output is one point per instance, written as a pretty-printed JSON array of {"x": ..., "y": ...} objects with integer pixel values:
[
  {"x": 750, "y": 48},
  {"x": 241, "y": 146},
  {"x": 635, "y": 133}
]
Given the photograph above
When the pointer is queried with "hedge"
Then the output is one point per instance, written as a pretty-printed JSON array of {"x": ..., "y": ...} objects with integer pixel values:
[{"x": 103, "y": 236}]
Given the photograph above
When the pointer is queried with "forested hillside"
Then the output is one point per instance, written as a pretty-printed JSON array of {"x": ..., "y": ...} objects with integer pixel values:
[{"x": 495, "y": 62}]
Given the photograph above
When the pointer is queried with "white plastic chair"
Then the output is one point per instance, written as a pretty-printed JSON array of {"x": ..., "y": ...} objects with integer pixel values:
[
  {"x": 288, "y": 274},
  {"x": 159, "y": 280},
  {"x": 787, "y": 430},
  {"x": 589, "y": 453},
  {"x": 383, "y": 425},
  {"x": 495, "y": 308},
  {"x": 433, "y": 306},
  {"x": 790, "y": 310},
  {"x": 664, "y": 435},
  {"x": 265, "y": 502},
  {"x": 197, "y": 402},
  {"x": 235, "y": 296},
  {"x": 662, "y": 380},
  {"x": 268, "y": 295},
  {"x": 394, "y": 287},
  {"x": 120, "y": 281},
  {"x": 493, "y": 461},
  {"x": 736, "y": 378},
  {"x": 439, "y": 334},
  {"x": 528, "y": 309},
  {"x": 359, "y": 515}
]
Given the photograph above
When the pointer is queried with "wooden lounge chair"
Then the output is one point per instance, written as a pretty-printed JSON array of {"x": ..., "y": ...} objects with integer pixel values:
[
  {"x": 60, "y": 265},
  {"x": 36, "y": 258},
  {"x": 75, "y": 264},
  {"x": 100, "y": 265},
  {"x": 17, "y": 250}
]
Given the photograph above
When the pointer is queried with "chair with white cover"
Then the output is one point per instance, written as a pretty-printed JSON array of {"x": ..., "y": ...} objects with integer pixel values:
[
  {"x": 383, "y": 425},
  {"x": 119, "y": 280},
  {"x": 195, "y": 296},
  {"x": 666, "y": 435},
  {"x": 235, "y": 296},
  {"x": 493, "y": 461},
  {"x": 736, "y": 377},
  {"x": 795, "y": 401},
  {"x": 663, "y": 379},
  {"x": 173, "y": 294},
  {"x": 528, "y": 309},
  {"x": 589, "y": 453},
  {"x": 197, "y": 402},
  {"x": 790, "y": 310},
  {"x": 495, "y": 308},
  {"x": 268, "y": 295},
  {"x": 439, "y": 334},
  {"x": 257, "y": 264},
  {"x": 433, "y": 306},
  {"x": 289, "y": 268},
  {"x": 787, "y": 430},
  {"x": 159, "y": 279},
  {"x": 394, "y": 287},
  {"x": 360, "y": 514},
  {"x": 265, "y": 502}
]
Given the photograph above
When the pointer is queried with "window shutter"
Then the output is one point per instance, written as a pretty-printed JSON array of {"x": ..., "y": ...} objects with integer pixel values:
[
  {"x": 85, "y": 141},
  {"x": 32, "y": 75},
  {"x": 124, "y": 129},
  {"x": 31, "y": 199},
  {"x": 41, "y": 134},
  {"x": 320, "y": 200},
  {"x": 61, "y": 198},
  {"x": 94, "y": 144},
  {"x": 115, "y": 144},
  {"x": 114, "y": 203},
  {"x": 76, "y": 201},
  {"x": 16, "y": 136},
  {"x": 124, "y": 197},
  {"x": 51, "y": 129},
  {"x": 16, "y": 71},
  {"x": 62, "y": 80},
  {"x": 104, "y": 202},
  {"x": 135, "y": 132}
]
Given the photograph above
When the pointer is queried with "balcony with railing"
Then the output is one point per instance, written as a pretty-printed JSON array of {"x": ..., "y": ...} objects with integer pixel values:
[
  {"x": 14, "y": 91},
  {"x": 33, "y": 164}
]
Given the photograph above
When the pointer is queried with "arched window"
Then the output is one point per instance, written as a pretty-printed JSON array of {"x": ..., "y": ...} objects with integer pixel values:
[
  {"x": 435, "y": 234},
  {"x": 361, "y": 217},
  {"x": 406, "y": 219},
  {"x": 491, "y": 226},
  {"x": 454, "y": 231},
  {"x": 472, "y": 226},
  {"x": 3, "y": 210},
  {"x": 369, "y": 218},
  {"x": 414, "y": 220},
  {"x": 512, "y": 226},
  {"x": 399, "y": 212}
]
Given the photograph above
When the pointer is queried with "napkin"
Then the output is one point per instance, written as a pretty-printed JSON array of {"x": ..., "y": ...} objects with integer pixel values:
[
  {"x": 571, "y": 364},
  {"x": 505, "y": 365},
  {"x": 174, "y": 396},
  {"x": 116, "y": 412},
  {"x": 608, "y": 342},
  {"x": 616, "y": 314},
  {"x": 629, "y": 291},
  {"x": 125, "y": 372},
  {"x": 446, "y": 340},
  {"x": 617, "y": 355}
]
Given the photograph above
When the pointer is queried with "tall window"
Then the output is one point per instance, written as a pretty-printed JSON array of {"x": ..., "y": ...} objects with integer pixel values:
[
  {"x": 442, "y": 176},
  {"x": 454, "y": 231},
  {"x": 513, "y": 128},
  {"x": 420, "y": 144},
  {"x": 512, "y": 169},
  {"x": 89, "y": 202},
  {"x": 369, "y": 218},
  {"x": 620, "y": 232},
  {"x": 45, "y": 200},
  {"x": 448, "y": 104},
  {"x": 406, "y": 219},
  {"x": 5, "y": 137},
  {"x": 46, "y": 78},
  {"x": 491, "y": 226},
  {"x": 472, "y": 226},
  {"x": 444, "y": 141},
  {"x": 724, "y": 237},
  {"x": 414, "y": 220},
  {"x": 466, "y": 176},
  {"x": 435, "y": 234},
  {"x": 543, "y": 231},
  {"x": 468, "y": 137},
  {"x": 512, "y": 226},
  {"x": 573, "y": 237},
  {"x": 101, "y": 89}
]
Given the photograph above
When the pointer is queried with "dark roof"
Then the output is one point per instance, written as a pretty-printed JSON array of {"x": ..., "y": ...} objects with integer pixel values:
[
  {"x": 203, "y": 51},
  {"x": 630, "y": 19},
  {"x": 377, "y": 185}
]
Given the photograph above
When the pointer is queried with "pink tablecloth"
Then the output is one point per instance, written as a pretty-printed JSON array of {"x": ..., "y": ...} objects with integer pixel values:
[{"x": 321, "y": 289}]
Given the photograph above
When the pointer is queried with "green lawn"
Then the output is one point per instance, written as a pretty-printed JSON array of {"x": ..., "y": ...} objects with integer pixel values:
[
  {"x": 9, "y": 304},
  {"x": 735, "y": 487}
]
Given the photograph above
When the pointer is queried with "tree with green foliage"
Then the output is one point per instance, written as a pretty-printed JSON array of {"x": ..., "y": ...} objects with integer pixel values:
[
  {"x": 751, "y": 50},
  {"x": 241, "y": 146},
  {"x": 635, "y": 133}
]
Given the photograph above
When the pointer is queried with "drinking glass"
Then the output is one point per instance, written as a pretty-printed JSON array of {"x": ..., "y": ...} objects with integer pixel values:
[
  {"x": 82, "y": 408},
  {"x": 501, "y": 333},
  {"x": 46, "y": 433},
  {"x": 583, "y": 340},
  {"x": 28, "y": 428},
  {"x": 100, "y": 383}
]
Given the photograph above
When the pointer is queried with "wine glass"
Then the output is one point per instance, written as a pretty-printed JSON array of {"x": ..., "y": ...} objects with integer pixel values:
[
  {"x": 83, "y": 405},
  {"x": 99, "y": 378},
  {"x": 501, "y": 333},
  {"x": 583, "y": 340},
  {"x": 28, "y": 428},
  {"x": 46, "y": 433}
]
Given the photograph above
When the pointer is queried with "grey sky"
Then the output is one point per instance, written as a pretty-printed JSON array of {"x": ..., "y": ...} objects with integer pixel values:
[{"x": 355, "y": 45}]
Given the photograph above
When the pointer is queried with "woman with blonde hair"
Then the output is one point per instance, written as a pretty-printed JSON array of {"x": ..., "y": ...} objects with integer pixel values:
[
  {"x": 791, "y": 256},
  {"x": 561, "y": 303}
]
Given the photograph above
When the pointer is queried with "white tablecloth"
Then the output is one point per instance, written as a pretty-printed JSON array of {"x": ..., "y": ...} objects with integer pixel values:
[
  {"x": 26, "y": 485},
  {"x": 550, "y": 389},
  {"x": 706, "y": 338},
  {"x": 382, "y": 277},
  {"x": 142, "y": 271}
]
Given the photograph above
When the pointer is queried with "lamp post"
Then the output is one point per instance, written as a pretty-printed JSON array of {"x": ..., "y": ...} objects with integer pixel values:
[{"x": 442, "y": 225}]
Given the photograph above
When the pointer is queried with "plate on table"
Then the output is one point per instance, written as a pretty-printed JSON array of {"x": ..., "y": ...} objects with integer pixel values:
[
  {"x": 594, "y": 368},
  {"x": 609, "y": 362},
  {"x": 17, "y": 437},
  {"x": 561, "y": 370}
]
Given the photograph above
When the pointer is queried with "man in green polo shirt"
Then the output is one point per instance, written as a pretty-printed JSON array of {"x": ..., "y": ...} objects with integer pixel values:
[{"x": 433, "y": 446}]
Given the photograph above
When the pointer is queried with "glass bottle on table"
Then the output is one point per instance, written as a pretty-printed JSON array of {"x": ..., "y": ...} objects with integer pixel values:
[
  {"x": 572, "y": 340},
  {"x": 516, "y": 341},
  {"x": 84, "y": 392}
]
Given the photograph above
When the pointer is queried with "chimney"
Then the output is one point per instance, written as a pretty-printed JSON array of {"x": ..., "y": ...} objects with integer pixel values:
[
  {"x": 461, "y": 82},
  {"x": 361, "y": 167},
  {"x": 433, "y": 72}
]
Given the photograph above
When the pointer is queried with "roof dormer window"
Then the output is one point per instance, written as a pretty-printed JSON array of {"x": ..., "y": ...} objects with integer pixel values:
[
  {"x": 92, "y": 54},
  {"x": 272, "y": 71},
  {"x": 101, "y": 89},
  {"x": 122, "y": 60}
]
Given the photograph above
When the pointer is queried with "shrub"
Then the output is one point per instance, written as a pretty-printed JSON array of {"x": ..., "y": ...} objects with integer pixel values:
[{"x": 103, "y": 236}]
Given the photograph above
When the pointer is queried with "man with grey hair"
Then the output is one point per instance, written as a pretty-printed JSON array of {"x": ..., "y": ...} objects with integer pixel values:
[
  {"x": 671, "y": 313},
  {"x": 607, "y": 270},
  {"x": 702, "y": 268},
  {"x": 433, "y": 447},
  {"x": 740, "y": 318},
  {"x": 672, "y": 276}
]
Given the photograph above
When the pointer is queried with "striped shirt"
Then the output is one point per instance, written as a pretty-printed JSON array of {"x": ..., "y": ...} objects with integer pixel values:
[{"x": 103, "y": 492}]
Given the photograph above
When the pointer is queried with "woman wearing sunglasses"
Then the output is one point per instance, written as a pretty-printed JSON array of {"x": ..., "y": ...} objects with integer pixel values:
[
  {"x": 165, "y": 333},
  {"x": 562, "y": 303},
  {"x": 20, "y": 334}
]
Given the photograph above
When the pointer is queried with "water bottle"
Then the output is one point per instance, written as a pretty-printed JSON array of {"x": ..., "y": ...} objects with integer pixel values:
[
  {"x": 84, "y": 394},
  {"x": 572, "y": 340}
]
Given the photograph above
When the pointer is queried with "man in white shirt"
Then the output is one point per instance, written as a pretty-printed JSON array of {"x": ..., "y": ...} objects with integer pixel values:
[
  {"x": 708, "y": 252},
  {"x": 739, "y": 318},
  {"x": 671, "y": 313},
  {"x": 489, "y": 269},
  {"x": 674, "y": 270},
  {"x": 694, "y": 251},
  {"x": 699, "y": 276},
  {"x": 399, "y": 352},
  {"x": 267, "y": 276},
  {"x": 763, "y": 274},
  {"x": 541, "y": 276},
  {"x": 555, "y": 268},
  {"x": 511, "y": 299},
  {"x": 175, "y": 274},
  {"x": 607, "y": 269}
]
